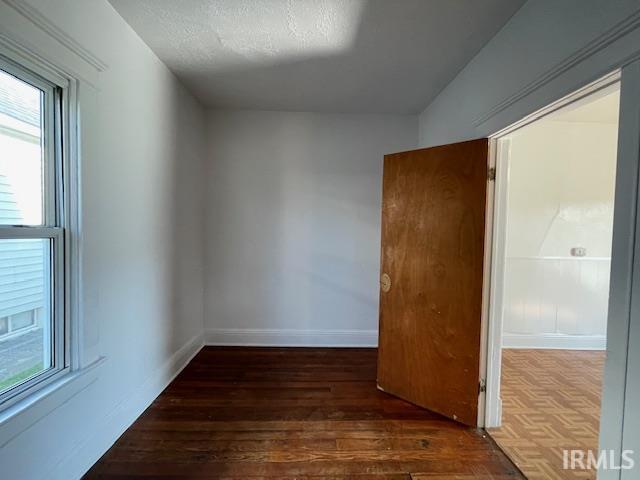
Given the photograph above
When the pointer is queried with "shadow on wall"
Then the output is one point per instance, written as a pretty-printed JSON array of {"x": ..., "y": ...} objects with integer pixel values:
[
  {"x": 183, "y": 219},
  {"x": 142, "y": 203}
]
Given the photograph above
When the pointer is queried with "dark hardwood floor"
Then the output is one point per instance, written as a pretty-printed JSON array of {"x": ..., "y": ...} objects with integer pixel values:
[{"x": 294, "y": 413}]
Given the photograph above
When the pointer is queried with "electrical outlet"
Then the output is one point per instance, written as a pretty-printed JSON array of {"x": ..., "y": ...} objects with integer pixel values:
[{"x": 578, "y": 252}]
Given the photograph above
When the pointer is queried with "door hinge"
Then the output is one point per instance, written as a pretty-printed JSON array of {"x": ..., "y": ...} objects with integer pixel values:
[
  {"x": 491, "y": 174},
  {"x": 483, "y": 385}
]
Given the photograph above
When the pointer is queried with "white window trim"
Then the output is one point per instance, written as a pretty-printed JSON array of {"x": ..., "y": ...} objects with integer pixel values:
[{"x": 65, "y": 232}]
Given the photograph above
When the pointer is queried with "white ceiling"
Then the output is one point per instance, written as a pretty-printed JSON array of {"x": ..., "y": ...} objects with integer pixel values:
[{"x": 360, "y": 56}]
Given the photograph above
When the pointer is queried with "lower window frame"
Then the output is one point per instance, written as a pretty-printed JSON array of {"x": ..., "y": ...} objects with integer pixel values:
[{"x": 59, "y": 327}]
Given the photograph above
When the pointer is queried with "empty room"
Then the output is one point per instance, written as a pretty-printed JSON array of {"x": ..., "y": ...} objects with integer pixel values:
[{"x": 319, "y": 239}]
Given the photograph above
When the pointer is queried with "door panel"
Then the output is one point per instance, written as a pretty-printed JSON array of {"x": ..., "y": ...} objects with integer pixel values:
[{"x": 433, "y": 226}]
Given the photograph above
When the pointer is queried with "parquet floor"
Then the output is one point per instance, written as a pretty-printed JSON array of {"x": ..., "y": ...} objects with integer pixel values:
[
  {"x": 550, "y": 402},
  {"x": 312, "y": 413}
]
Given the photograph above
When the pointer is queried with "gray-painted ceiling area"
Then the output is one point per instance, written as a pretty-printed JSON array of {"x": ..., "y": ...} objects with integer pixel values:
[{"x": 348, "y": 56}]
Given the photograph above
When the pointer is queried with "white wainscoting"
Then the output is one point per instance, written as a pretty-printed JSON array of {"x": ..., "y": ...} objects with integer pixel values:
[{"x": 556, "y": 302}]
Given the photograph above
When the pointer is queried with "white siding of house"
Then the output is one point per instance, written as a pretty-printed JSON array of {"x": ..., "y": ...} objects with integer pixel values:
[
  {"x": 22, "y": 262},
  {"x": 21, "y": 276},
  {"x": 9, "y": 213}
]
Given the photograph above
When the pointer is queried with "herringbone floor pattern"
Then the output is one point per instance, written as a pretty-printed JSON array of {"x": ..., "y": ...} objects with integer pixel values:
[{"x": 550, "y": 402}]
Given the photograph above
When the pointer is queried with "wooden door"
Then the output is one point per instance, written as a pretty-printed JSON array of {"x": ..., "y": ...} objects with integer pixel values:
[{"x": 433, "y": 227}]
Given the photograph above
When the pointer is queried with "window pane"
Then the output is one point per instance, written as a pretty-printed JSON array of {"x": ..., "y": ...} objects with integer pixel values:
[
  {"x": 25, "y": 306},
  {"x": 21, "y": 152},
  {"x": 22, "y": 320}
]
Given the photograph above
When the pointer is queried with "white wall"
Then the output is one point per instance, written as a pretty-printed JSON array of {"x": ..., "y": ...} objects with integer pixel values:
[
  {"x": 560, "y": 195},
  {"x": 142, "y": 151},
  {"x": 547, "y": 50},
  {"x": 293, "y": 217}
]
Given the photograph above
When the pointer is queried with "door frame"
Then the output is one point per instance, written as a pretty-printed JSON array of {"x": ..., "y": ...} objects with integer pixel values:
[
  {"x": 625, "y": 269},
  {"x": 495, "y": 239}
]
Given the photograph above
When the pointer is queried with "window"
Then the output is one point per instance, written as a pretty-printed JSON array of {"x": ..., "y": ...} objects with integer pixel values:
[{"x": 33, "y": 328}]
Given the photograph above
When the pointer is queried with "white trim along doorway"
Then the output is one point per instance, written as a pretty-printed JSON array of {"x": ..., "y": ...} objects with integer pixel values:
[{"x": 619, "y": 427}]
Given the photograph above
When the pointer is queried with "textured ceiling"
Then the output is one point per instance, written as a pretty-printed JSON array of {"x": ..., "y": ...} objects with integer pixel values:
[{"x": 377, "y": 56}]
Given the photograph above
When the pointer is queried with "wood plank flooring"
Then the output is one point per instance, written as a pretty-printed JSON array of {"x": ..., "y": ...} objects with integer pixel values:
[
  {"x": 550, "y": 402},
  {"x": 290, "y": 413}
]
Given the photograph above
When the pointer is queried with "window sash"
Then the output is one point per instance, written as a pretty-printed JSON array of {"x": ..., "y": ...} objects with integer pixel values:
[
  {"x": 52, "y": 229},
  {"x": 51, "y": 144},
  {"x": 59, "y": 335},
  {"x": 8, "y": 232}
]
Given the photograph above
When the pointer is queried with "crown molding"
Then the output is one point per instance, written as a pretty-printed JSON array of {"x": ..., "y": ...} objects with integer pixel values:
[
  {"x": 43, "y": 23},
  {"x": 601, "y": 42}
]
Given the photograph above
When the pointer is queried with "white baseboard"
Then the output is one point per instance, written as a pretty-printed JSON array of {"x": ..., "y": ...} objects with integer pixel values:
[
  {"x": 107, "y": 430},
  {"x": 555, "y": 341},
  {"x": 290, "y": 337}
]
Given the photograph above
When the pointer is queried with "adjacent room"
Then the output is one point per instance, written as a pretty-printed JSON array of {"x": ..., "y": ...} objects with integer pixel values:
[
  {"x": 558, "y": 199},
  {"x": 319, "y": 239}
]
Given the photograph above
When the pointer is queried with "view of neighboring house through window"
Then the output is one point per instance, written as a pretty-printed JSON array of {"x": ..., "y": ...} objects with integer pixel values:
[{"x": 31, "y": 323}]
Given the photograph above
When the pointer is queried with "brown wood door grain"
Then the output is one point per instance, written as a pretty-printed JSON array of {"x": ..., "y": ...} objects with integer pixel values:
[{"x": 433, "y": 227}]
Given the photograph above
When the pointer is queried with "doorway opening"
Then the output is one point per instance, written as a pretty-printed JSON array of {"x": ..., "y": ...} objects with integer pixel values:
[{"x": 551, "y": 265}]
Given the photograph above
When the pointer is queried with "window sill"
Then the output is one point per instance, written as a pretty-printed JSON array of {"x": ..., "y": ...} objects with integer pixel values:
[{"x": 21, "y": 415}]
